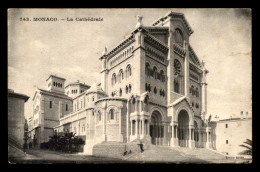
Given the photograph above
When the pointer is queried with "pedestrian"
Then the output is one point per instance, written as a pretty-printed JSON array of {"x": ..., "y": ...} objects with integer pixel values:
[{"x": 141, "y": 146}]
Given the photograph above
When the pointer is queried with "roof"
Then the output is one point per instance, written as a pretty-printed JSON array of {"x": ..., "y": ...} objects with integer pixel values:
[
  {"x": 55, "y": 77},
  {"x": 175, "y": 15},
  {"x": 51, "y": 93},
  {"x": 180, "y": 100},
  {"x": 77, "y": 83},
  {"x": 95, "y": 88},
  {"x": 232, "y": 119},
  {"x": 11, "y": 93},
  {"x": 130, "y": 38}
]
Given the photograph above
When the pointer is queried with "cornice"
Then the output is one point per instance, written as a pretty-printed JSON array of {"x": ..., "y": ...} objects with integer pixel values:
[
  {"x": 192, "y": 53},
  {"x": 119, "y": 47},
  {"x": 179, "y": 50},
  {"x": 150, "y": 102},
  {"x": 21, "y": 96},
  {"x": 111, "y": 99},
  {"x": 175, "y": 15},
  {"x": 156, "y": 43},
  {"x": 195, "y": 68},
  {"x": 54, "y": 94}
]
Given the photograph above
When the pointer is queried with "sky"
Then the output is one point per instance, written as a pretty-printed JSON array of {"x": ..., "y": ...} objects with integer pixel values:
[{"x": 71, "y": 49}]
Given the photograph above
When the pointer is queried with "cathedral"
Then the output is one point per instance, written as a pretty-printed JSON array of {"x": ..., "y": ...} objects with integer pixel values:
[{"x": 153, "y": 90}]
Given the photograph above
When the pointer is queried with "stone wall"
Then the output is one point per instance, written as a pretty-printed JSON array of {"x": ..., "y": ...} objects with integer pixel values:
[
  {"x": 116, "y": 149},
  {"x": 16, "y": 119}
]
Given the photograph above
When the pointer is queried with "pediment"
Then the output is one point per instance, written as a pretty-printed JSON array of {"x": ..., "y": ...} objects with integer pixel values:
[{"x": 183, "y": 101}]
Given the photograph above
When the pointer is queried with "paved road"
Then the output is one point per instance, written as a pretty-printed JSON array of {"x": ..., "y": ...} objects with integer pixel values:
[
  {"x": 50, "y": 157},
  {"x": 154, "y": 155}
]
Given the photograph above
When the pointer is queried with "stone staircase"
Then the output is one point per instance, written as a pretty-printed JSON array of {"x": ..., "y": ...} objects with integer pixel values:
[
  {"x": 167, "y": 154},
  {"x": 203, "y": 153}
]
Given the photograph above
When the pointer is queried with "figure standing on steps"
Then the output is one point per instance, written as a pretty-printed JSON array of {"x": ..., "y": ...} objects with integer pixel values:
[{"x": 141, "y": 146}]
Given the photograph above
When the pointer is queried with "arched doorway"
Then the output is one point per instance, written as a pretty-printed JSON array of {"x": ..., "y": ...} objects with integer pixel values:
[
  {"x": 156, "y": 128},
  {"x": 183, "y": 128},
  {"x": 196, "y": 134}
]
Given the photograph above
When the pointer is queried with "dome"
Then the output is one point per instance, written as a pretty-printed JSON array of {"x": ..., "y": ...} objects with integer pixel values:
[{"x": 95, "y": 88}]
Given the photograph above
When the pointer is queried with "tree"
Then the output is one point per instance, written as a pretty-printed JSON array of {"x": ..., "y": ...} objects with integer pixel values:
[
  {"x": 54, "y": 141},
  {"x": 66, "y": 142},
  {"x": 248, "y": 145}
]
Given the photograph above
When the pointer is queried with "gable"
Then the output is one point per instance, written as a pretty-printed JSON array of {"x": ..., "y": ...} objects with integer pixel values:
[{"x": 182, "y": 102}]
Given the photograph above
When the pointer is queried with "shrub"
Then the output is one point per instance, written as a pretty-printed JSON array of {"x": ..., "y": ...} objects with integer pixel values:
[{"x": 66, "y": 142}]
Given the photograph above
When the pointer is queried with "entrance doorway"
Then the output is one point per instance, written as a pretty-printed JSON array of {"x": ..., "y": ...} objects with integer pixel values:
[
  {"x": 156, "y": 128},
  {"x": 183, "y": 128}
]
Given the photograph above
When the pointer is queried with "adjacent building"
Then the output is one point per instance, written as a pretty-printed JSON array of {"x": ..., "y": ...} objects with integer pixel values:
[
  {"x": 229, "y": 134},
  {"x": 48, "y": 107},
  {"x": 16, "y": 121}
]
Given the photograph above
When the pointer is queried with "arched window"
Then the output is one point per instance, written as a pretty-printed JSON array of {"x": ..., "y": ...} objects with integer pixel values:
[
  {"x": 155, "y": 90},
  {"x": 147, "y": 69},
  {"x": 83, "y": 127},
  {"x": 126, "y": 89},
  {"x": 162, "y": 77},
  {"x": 130, "y": 88},
  {"x": 149, "y": 88},
  {"x": 197, "y": 92},
  {"x": 53, "y": 83},
  {"x": 192, "y": 90},
  {"x": 113, "y": 79},
  {"x": 61, "y": 85},
  {"x": 177, "y": 67},
  {"x": 155, "y": 72},
  {"x": 99, "y": 116},
  {"x": 121, "y": 76},
  {"x": 176, "y": 86},
  {"x": 120, "y": 92},
  {"x": 112, "y": 114},
  {"x": 93, "y": 98},
  {"x": 128, "y": 71},
  {"x": 179, "y": 37}
]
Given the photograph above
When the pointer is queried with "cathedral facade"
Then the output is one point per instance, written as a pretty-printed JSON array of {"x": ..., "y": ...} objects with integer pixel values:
[{"x": 153, "y": 89}]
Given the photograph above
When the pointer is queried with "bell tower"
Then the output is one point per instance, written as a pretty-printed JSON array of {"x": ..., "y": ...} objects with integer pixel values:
[{"x": 55, "y": 84}]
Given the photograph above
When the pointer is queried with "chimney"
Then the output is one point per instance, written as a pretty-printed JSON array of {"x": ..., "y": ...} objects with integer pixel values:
[{"x": 241, "y": 115}]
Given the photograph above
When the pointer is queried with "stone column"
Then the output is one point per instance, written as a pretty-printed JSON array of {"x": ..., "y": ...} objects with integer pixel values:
[
  {"x": 174, "y": 139},
  {"x": 191, "y": 138},
  {"x": 204, "y": 93},
  {"x": 159, "y": 134},
  {"x": 186, "y": 69},
  {"x": 148, "y": 128},
  {"x": 136, "y": 127},
  {"x": 120, "y": 124},
  {"x": 104, "y": 137},
  {"x": 165, "y": 138},
  {"x": 208, "y": 142},
  {"x": 136, "y": 105},
  {"x": 143, "y": 128}
]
